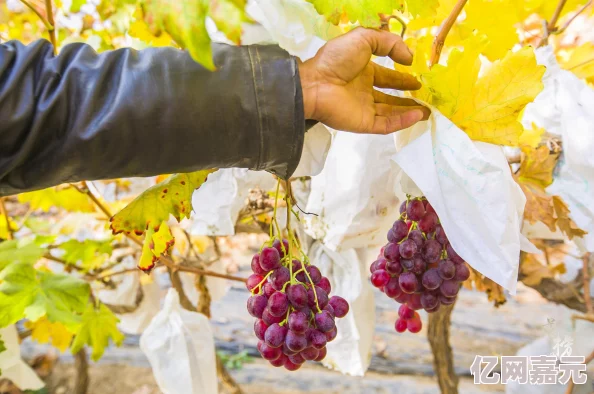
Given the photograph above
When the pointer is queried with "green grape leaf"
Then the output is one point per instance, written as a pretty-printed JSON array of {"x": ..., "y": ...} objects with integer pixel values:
[
  {"x": 68, "y": 198},
  {"x": 76, "y": 4},
  {"x": 173, "y": 196},
  {"x": 90, "y": 253},
  {"x": 33, "y": 294},
  {"x": 155, "y": 244},
  {"x": 366, "y": 12},
  {"x": 185, "y": 22},
  {"x": 99, "y": 325},
  {"x": 229, "y": 15},
  {"x": 18, "y": 251}
]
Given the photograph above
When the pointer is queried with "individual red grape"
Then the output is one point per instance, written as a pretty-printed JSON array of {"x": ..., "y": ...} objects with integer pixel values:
[
  {"x": 431, "y": 279},
  {"x": 289, "y": 366},
  {"x": 403, "y": 207},
  {"x": 418, "y": 238},
  {"x": 449, "y": 288},
  {"x": 324, "y": 284},
  {"x": 256, "y": 305},
  {"x": 321, "y": 354},
  {"x": 297, "y": 295},
  {"x": 322, "y": 298},
  {"x": 253, "y": 281},
  {"x": 394, "y": 268},
  {"x": 414, "y": 301},
  {"x": 279, "y": 277},
  {"x": 408, "y": 282},
  {"x": 282, "y": 249},
  {"x": 298, "y": 322},
  {"x": 279, "y": 362},
  {"x": 429, "y": 208},
  {"x": 295, "y": 342},
  {"x": 414, "y": 325},
  {"x": 441, "y": 236},
  {"x": 297, "y": 359},
  {"x": 400, "y": 229},
  {"x": 340, "y": 305},
  {"x": 408, "y": 249},
  {"x": 419, "y": 265},
  {"x": 269, "y": 319},
  {"x": 267, "y": 289},
  {"x": 429, "y": 301},
  {"x": 446, "y": 269},
  {"x": 378, "y": 264},
  {"x": 435, "y": 309},
  {"x": 288, "y": 351},
  {"x": 392, "y": 289},
  {"x": 400, "y": 325},
  {"x": 330, "y": 335},
  {"x": 310, "y": 353},
  {"x": 428, "y": 223},
  {"x": 330, "y": 309},
  {"x": 405, "y": 312},
  {"x": 297, "y": 265},
  {"x": 314, "y": 273},
  {"x": 452, "y": 255},
  {"x": 407, "y": 264},
  {"x": 431, "y": 251},
  {"x": 446, "y": 300},
  {"x": 269, "y": 259},
  {"x": 402, "y": 298},
  {"x": 415, "y": 210},
  {"x": 256, "y": 267},
  {"x": 316, "y": 338},
  {"x": 392, "y": 252},
  {"x": 391, "y": 237},
  {"x": 462, "y": 272},
  {"x": 260, "y": 329},
  {"x": 324, "y": 321},
  {"x": 275, "y": 335},
  {"x": 380, "y": 278},
  {"x": 269, "y": 353},
  {"x": 278, "y": 304}
]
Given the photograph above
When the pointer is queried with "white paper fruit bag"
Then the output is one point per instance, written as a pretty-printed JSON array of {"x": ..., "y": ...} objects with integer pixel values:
[
  {"x": 470, "y": 186},
  {"x": 179, "y": 345},
  {"x": 11, "y": 364}
]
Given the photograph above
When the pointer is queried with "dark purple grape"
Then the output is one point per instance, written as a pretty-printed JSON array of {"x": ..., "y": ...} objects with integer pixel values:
[
  {"x": 297, "y": 295},
  {"x": 392, "y": 289},
  {"x": 431, "y": 251},
  {"x": 322, "y": 298},
  {"x": 330, "y": 335},
  {"x": 462, "y": 272},
  {"x": 392, "y": 252},
  {"x": 275, "y": 335},
  {"x": 297, "y": 265},
  {"x": 330, "y": 309},
  {"x": 269, "y": 318},
  {"x": 310, "y": 353},
  {"x": 449, "y": 288},
  {"x": 403, "y": 207},
  {"x": 324, "y": 321},
  {"x": 253, "y": 280},
  {"x": 391, "y": 237},
  {"x": 307, "y": 311},
  {"x": 408, "y": 282},
  {"x": 298, "y": 322},
  {"x": 316, "y": 338},
  {"x": 256, "y": 267},
  {"x": 278, "y": 304},
  {"x": 429, "y": 208},
  {"x": 414, "y": 301},
  {"x": 260, "y": 329},
  {"x": 394, "y": 268},
  {"x": 269, "y": 353},
  {"x": 440, "y": 235},
  {"x": 340, "y": 305},
  {"x": 400, "y": 229},
  {"x": 279, "y": 277},
  {"x": 324, "y": 284},
  {"x": 415, "y": 210},
  {"x": 297, "y": 359},
  {"x": 418, "y": 238},
  {"x": 288, "y": 351},
  {"x": 283, "y": 249},
  {"x": 435, "y": 309},
  {"x": 446, "y": 269},
  {"x": 314, "y": 273},
  {"x": 405, "y": 312},
  {"x": 269, "y": 259},
  {"x": 378, "y": 264},
  {"x": 452, "y": 255},
  {"x": 419, "y": 265},
  {"x": 296, "y": 342},
  {"x": 408, "y": 249},
  {"x": 267, "y": 289},
  {"x": 407, "y": 264},
  {"x": 446, "y": 300},
  {"x": 431, "y": 279},
  {"x": 428, "y": 223},
  {"x": 380, "y": 278},
  {"x": 256, "y": 305},
  {"x": 429, "y": 301}
]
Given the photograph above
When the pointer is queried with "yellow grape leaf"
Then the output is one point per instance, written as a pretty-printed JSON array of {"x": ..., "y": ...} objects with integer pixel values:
[
  {"x": 491, "y": 113},
  {"x": 99, "y": 325},
  {"x": 63, "y": 197},
  {"x": 229, "y": 15},
  {"x": 421, "y": 47},
  {"x": 537, "y": 166},
  {"x": 531, "y": 137},
  {"x": 545, "y": 8},
  {"x": 366, "y": 12},
  {"x": 564, "y": 223},
  {"x": 170, "y": 197},
  {"x": 533, "y": 271},
  {"x": 579, "y": 61},
  {"x": 139, "y": 29},
  {"x": 5, "y": 224},
  {"x": 426, "y": 20},
  {"x": 495, "y": 19},
  {"x": 44, "y": 331},
  {"x": 480, "y": 282},
  {"x": 422, "y": 9},
  {"x": 156, "y": 243}
]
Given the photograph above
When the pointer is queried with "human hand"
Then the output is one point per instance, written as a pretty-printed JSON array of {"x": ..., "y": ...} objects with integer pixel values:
[{"x": 338, "y": 84}]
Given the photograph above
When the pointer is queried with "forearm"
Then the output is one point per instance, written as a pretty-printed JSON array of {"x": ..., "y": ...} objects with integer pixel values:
[{"x": 138, "y": 113}]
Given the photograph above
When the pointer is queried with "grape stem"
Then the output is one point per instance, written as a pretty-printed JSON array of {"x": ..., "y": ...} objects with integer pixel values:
[
  {"x": 550, "y": 27},
  {"x": 443, "y": 31}
]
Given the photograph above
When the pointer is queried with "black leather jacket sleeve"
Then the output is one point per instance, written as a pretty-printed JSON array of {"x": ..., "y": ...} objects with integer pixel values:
[{"x": 82, "y": 115}]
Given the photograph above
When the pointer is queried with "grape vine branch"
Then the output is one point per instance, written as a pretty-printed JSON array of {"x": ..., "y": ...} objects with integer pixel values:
[{"x": 443, "y": 31}]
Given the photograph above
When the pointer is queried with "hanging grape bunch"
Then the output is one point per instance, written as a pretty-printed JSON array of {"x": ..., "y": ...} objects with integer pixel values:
[{"x": 418, "y": 267}]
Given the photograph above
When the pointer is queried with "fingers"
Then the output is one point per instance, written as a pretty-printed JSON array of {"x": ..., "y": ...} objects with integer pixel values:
[
  {"x": 385, "y": 78},
  {"x": 384, "y": 43},
  {"x": 399, "y": 106},
  {"x": 383, "y": 98},
  {"x": 389, "y": 119}
]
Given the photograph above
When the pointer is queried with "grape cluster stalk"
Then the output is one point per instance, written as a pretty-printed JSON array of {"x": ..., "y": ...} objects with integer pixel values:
[
  {"x": 295, "y": 315},
  {"x": 418, "y": 267}
]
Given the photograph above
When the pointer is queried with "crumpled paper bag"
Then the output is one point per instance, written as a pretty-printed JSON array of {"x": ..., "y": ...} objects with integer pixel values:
[{"x": 12, "y": 366}]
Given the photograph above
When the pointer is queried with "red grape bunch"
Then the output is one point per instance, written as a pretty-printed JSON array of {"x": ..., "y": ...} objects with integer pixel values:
[
  {"x": 418, "y": 267},
  {"x": 292, "y": 306}
]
